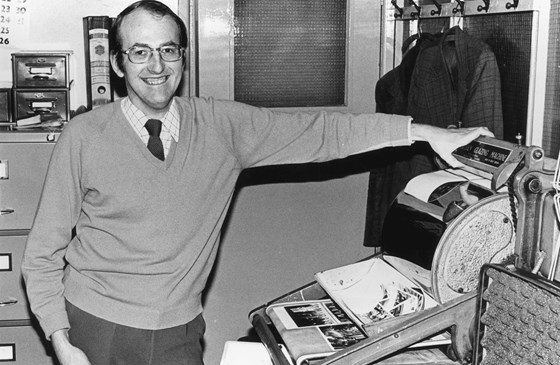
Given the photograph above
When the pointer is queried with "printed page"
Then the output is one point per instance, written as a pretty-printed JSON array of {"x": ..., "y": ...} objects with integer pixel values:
[
  {"x": 423, "y": 186},
  {"x": 372, "y": 290},
  {"x": 416, "y": 273}
]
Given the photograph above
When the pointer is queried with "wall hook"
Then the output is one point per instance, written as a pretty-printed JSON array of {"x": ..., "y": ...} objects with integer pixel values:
[
  {"x": 512, "y": 5},
  {"x": 416, "y": 14},
  {"x": 460, "y": 8},
  {"x": 485, "y": 7},
  {"x": 400, "y": 11},
  {"x": 438, "y": 6}
]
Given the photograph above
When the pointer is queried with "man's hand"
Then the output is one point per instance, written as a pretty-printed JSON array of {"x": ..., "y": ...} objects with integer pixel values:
[
  {"x": 444, "y": 141},
  {"x": 65, "y": 352}
]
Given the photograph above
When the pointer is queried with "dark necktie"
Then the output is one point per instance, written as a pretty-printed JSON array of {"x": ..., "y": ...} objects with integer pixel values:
[{"x": 154, "y": 143}]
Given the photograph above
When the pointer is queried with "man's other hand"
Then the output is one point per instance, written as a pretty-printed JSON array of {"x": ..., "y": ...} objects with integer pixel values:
[{"x": 66, "y": 353}]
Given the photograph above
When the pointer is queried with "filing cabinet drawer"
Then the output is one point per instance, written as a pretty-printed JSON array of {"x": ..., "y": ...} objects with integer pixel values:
[
  {"x": 40, "y": 70},
  {"x": 13, "y": 300},
  {"x": 24, "y": 346},
  {"x": 23, "y": 168},
  {"x": 47, "y": 103}
]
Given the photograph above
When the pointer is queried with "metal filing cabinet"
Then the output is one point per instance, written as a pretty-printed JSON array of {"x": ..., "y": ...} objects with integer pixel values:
[
  {"x": 24, "y": 157},
  {"x": 41, "y": 85}
]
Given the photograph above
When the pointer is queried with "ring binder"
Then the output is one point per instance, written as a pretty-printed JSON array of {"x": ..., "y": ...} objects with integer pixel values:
[{"x": 98, "y": 65}]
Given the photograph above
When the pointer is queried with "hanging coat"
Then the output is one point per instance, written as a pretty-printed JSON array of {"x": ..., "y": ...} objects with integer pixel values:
[{"x": 447, "y": 80}]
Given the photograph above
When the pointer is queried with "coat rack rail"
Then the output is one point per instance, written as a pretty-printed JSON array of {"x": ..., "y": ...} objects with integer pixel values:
[{"x": 414, "y": 10}]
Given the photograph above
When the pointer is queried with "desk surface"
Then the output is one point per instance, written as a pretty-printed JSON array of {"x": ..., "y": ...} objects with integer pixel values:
[{"x": 8, "y": 133}]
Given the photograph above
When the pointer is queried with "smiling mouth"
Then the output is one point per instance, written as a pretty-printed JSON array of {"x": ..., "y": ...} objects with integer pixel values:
[{"x": 156, "y": 80}]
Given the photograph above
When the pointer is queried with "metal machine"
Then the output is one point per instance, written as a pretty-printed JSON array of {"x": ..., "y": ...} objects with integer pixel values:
[{"x": 494, "y": 271}]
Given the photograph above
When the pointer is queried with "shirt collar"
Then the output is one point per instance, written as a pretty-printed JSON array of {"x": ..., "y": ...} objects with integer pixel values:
[{"x": 137, "y": 118}]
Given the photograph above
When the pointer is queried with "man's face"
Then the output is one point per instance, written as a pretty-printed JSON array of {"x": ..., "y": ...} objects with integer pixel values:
[{"x": 150, "y": 85}]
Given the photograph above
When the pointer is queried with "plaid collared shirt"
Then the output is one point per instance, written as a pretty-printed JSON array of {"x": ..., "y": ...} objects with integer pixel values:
[{"x": 137, "y": 119}]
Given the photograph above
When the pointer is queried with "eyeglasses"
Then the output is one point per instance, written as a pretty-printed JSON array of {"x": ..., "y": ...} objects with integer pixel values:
[{"x": 142, "y": 54}]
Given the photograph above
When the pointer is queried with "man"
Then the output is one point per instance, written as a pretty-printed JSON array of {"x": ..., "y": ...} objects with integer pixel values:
[{"x": 126, "y": 287}]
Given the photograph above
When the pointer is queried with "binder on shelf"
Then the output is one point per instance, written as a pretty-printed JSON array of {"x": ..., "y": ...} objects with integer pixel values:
[{"x": 98, "y": 65}]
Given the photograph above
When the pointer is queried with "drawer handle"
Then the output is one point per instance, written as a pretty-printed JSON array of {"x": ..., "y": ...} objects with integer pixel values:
[
  {"x": 6, "y": 211},
  {"x": 8, "y": 302}
]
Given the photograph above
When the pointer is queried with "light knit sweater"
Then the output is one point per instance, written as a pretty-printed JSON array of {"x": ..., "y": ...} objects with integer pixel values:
[{"x": 147, "y": 231}]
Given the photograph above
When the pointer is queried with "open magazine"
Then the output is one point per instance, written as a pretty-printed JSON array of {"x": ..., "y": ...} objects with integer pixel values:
[
  {"x": 314, "y": 329},
  {"x": 374, "y": 290},
  {"x": 364, "y": 297}
]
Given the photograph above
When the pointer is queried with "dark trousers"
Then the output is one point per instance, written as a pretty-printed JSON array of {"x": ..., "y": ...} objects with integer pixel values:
[{"x": 107, "y": 343}]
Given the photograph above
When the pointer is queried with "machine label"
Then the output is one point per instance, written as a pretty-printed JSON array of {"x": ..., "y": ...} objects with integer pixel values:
[{"x": 484, "y": 153}]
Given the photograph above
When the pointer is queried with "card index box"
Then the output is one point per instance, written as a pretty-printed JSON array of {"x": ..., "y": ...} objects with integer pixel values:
[
  {"x": 41, "y": 69},
  {"x": 49, "y": 103}
]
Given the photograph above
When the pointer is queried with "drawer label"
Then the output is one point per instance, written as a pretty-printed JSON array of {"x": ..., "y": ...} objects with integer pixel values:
[
  {"x": 5, "y": 262},
  {"x": 7, "y": 352},
  {"x": 4, "y": 174}
]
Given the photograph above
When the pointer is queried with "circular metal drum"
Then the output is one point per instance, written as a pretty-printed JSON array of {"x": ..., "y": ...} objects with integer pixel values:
[{"x": 483, "y": 233}]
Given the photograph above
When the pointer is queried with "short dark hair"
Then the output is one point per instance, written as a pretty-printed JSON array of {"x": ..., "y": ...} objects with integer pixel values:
[{"x": 152, "y": 6}]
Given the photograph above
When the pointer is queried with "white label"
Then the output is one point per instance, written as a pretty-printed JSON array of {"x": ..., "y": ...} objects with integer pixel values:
[
  {"x": 40, "y": 70},
  {"x": 7, "y": 352},
  {"x": 5, "y": 262},
  {"x": 42, "y": 104},
  {"x": 4, "y": 169}
]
